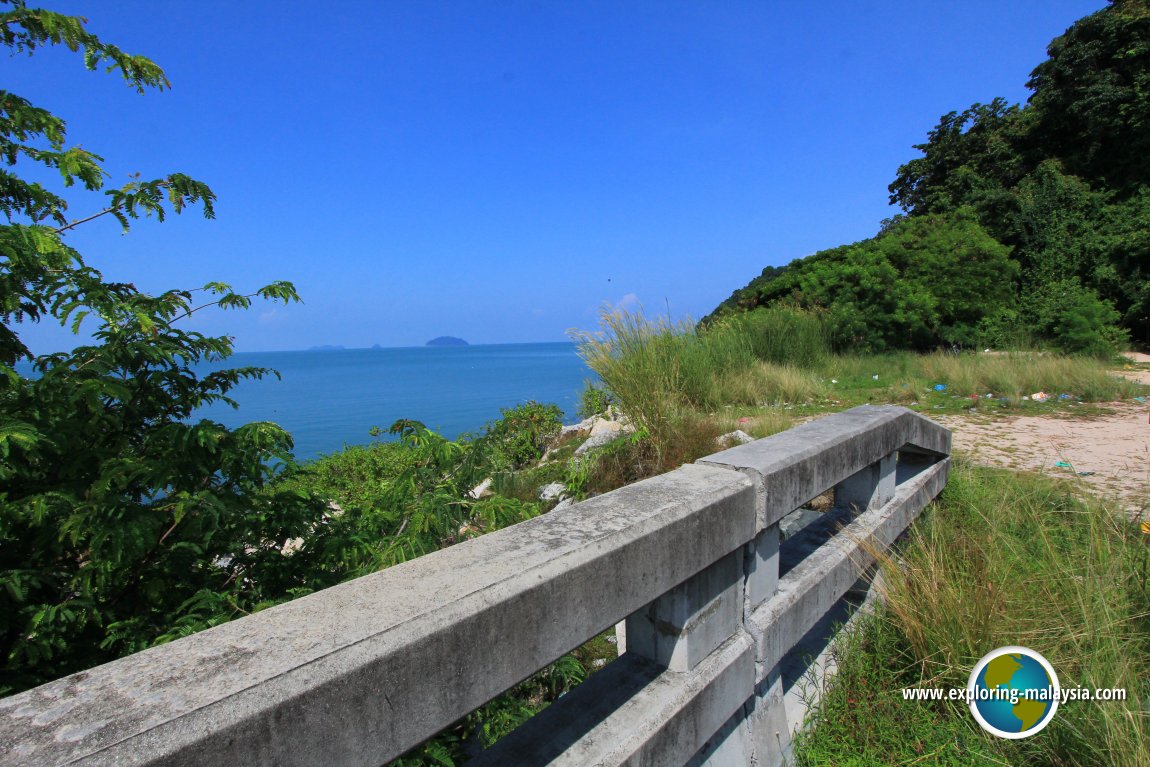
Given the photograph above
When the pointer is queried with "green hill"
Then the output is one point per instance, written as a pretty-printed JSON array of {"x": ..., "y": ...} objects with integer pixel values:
[{"x": 1021, "y": 224}]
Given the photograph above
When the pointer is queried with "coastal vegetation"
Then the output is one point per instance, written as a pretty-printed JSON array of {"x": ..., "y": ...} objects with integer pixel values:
[
  {"x": 1022, "y": 226},
  {"x": 123, "y": 521},
  {"x": 675, "y": 378}
]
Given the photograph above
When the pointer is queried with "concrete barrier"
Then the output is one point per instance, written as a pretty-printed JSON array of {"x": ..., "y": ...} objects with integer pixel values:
[{"x": 360, "y": 673}]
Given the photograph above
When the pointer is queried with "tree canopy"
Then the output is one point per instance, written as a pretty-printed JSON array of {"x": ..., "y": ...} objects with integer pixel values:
[
  {"x": 123, "y": 518},
  {"x": 1061, "y": 182},
  {"x": 921, "y": 283}
]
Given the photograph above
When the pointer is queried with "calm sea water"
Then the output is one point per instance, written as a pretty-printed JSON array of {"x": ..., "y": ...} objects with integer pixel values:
[{"x": 329, "y": 399}]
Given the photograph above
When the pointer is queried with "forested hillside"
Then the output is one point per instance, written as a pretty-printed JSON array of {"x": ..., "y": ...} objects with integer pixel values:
[{"x": 1022, "y": 224}]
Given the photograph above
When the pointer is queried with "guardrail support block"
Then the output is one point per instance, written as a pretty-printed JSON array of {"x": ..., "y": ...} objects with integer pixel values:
[
  {"x": 687, "y": 623},
  {"x": 868, "y": 488},
  {"x": 762, "y": 567}
]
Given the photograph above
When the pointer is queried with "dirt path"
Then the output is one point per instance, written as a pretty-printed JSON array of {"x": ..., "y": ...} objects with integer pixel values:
[{"x": 1108, "y": 453}]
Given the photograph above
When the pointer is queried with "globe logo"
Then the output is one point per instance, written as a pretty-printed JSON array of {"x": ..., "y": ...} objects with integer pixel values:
[{"x": 1013, "y": 692}]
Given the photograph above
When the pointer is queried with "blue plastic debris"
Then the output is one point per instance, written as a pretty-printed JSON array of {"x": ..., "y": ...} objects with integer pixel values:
[{"x": 940, "y": 387}]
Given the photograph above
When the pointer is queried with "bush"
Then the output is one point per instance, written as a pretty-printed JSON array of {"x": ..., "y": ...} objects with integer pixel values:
[
  {"x": 1074, "y": 318},
  {"x": 594, "y": 400},
  {"x": 783, "y": 335},
  {"x": 521, "y": 435}
]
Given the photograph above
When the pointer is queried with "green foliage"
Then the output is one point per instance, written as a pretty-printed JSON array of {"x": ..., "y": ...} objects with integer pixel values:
[
  {"x": 968, "y": 159},
  {"x": 594, "y": 400},
  {"x": 1091, "y": 101},
  {"x": 1076, "y": 320},
  {"x": 1063, "y": 182},
  {"x": 921, "y": 283},
  {"x": 521, "y": 435},
  {"x": 123, "y": 521},
  {"x": 355, "y": 477},
  {"x": 781, "y": 334}
]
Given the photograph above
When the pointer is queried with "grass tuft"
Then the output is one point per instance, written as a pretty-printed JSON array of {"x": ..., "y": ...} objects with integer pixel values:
[{"x": 1000, "y": 559}]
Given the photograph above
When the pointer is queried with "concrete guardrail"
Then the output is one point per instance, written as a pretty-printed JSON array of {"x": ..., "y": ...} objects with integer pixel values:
[{"x": 360, "y": 673}]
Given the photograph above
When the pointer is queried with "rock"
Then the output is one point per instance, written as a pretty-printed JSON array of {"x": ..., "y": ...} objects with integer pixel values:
[
  {"x": 575, "y": 428},
  {"x": 482, "y": 489},
  {"x": 598, "y": 441},
  {"x": 603, "y": 426},
  {"x": 732, "y": 438},
  {"x": 552, "y": 491},
  {"x": 604, "y": 429}
]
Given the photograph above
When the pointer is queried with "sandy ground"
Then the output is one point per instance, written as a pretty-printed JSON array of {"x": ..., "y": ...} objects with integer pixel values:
[{"x": 1108, "y": 453}]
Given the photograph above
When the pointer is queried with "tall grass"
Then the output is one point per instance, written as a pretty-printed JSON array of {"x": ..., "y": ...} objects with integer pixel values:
[
  {"x": 1014, "y": 559},
  {"x": 1022, "y": 374},
  {"x": 781, "y": 335},
  {"x": 660, "y": 370}
]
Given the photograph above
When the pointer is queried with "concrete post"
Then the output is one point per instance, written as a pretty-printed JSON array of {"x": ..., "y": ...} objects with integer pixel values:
[
  {"x": 762, "y": 567},
  {"x": 686, "y": 624},
  {"x": 868, "y": 488}
]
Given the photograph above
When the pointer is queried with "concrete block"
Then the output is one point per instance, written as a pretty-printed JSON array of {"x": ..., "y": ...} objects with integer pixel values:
[
  {"x": 762, "y": 567},
  {"x": 770, "y": 728},
  {"x": 361, "y": 672},
  {"x": 732, "y": 745},
  {"x": 686, "y": 624},
  {"x": 869, "y": 487}
]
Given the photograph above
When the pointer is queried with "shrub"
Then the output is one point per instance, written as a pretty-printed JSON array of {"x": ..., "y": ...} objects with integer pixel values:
[
  {"x": 594, "y": 400},
  {"x": 522, "y": 434},
  {"x": 1074, "y": 318}
]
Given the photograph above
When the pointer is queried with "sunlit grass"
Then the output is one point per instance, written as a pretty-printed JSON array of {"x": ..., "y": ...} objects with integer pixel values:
[{"x": 1000, "y": 559}]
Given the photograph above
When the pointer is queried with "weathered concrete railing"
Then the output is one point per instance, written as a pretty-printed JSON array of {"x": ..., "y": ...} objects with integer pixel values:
[{"x": 359, "y": 673}]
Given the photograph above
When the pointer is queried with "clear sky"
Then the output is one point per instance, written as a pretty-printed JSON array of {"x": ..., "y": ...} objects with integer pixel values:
[{"x": 500, "y": 170}]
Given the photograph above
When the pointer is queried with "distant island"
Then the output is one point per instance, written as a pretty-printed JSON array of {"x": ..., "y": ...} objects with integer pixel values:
[{"x": 446, "y": 341}]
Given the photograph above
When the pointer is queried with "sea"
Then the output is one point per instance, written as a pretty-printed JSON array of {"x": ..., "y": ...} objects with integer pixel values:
[{"x": 331, "y": 399}]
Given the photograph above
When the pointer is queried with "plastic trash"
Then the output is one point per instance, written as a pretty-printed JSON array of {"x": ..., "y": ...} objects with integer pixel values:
[
  {"x": 1063, "y": 465},
  {"x": 1040, "y": 396},
  {"x": 875, "y": 377},
  {"x": 1086, "y": 474},
  {"x": 1063, "y": 396},
  {"x": 834, "y": 380},
  {"x": 940, "y": 387}
]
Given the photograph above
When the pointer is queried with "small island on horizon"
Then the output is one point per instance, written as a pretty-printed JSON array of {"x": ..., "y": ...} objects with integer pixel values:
[{"x": 446, "y": 341}]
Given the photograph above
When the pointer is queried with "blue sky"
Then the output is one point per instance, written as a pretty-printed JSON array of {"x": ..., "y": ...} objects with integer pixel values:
[{"x": 500, "y": 170}]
